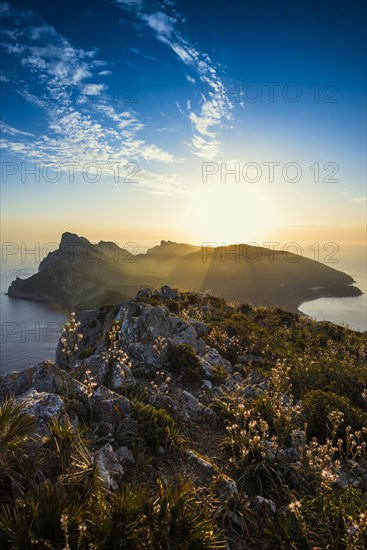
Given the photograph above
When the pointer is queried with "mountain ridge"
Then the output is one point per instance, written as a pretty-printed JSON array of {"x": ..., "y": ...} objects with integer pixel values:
[{"x": 81, "y": 274}]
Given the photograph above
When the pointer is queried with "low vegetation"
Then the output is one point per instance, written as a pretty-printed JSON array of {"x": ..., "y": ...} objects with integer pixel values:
[{"x": 271, "y": 455}]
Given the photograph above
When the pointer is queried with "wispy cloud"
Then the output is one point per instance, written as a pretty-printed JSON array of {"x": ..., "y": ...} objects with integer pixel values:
[
  {"x": 6, "y": 129},
  {"x": 63, "y": 83},
  {"x": 141, "y": 54},
  {"x": 161, "y": 23},
  {"x": 165, "y": 129},
  {"x": 360, "y": 199},
  {"x": 190, "y": 79},
  {"x": 215, "y": 104}
]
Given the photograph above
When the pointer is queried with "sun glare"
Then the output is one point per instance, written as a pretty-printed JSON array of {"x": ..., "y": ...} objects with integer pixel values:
[{"x": 229, "y": 213}]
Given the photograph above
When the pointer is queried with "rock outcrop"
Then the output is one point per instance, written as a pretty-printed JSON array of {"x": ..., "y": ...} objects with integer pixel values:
[{"x": 175, "y": 386}]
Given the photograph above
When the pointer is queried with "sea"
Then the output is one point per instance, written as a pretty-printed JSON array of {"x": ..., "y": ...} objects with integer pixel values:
[
  {"x": 30, "y": 330},
  {"x": 348, "y": 312}
]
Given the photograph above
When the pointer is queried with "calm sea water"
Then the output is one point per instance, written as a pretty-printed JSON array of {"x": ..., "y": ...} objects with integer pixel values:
[
  {"x": 351, "y": 312},
  {"x": 30, "y": 330}
]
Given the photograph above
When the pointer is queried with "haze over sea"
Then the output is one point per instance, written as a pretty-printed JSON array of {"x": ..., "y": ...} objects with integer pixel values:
[{"x": 30, "y": 330}]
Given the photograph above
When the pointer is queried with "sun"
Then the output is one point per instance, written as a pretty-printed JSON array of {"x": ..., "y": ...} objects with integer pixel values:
[{"x": 229, "y": 213}]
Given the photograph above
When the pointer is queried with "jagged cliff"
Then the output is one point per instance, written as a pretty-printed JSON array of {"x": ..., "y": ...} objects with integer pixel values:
[{"x": 81, "y": 274}]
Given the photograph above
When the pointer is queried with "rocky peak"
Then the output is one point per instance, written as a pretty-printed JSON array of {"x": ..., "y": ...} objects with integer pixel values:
[{"x": 72, "y": 239}]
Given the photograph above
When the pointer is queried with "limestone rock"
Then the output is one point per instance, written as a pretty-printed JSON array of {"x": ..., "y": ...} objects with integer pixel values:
[
  {"x": 191, "y": 402},
  {"x": 212, "y": 358},
  {"x": 43, "y": 407},
  {"x": 200, "y": 462},
  {"x": 226, "y": 487},
  {"x": 44, "y": 377},
  {"x": 119, "y": 376},
  {"x": 168, "y": 292},
  {"x": 108, "y": 466},
  {"x": 264, "y": 506},
  {"x": 108, "y": 406},
  {"x": 123, "y": 454}
]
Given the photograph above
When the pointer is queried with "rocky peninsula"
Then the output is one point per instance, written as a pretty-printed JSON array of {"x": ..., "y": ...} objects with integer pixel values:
[{"x": 81, "y": 275}]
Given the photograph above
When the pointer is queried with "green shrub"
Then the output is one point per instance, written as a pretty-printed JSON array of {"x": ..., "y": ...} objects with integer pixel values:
[
  {"x": 155, "y": 426},
  {"x": 173, "y": 306},
  {"x": 138, "y": 518},
  {"x": 183, "y": 361},
  {"x": 345, "y": 376},
  {"x": 46, "y": 518},
  {"x": 18, "y": 466},
  {"x": 122, "y": 522},
  {"x": 121, "y": 433},
  {"x": 317, "y": 405},
  {"x": 148, "y": 300},
  {"x": 181, "y": 521},
  {"x": 267, "y": 407},
  {"x": 219, "y": 374},
  {"x": 15, "y": 425},
  {"x": 245, "y": 308}
]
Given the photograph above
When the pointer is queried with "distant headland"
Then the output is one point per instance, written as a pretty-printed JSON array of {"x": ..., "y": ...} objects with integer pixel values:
[{"x": 81, "y": 274}]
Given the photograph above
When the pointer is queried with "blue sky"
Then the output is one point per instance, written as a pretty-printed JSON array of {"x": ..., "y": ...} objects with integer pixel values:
[{"x": 156, "y": 89}]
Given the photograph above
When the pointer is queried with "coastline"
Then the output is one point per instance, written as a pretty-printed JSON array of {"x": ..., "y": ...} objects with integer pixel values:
[
  {"x": 293, "y": 305},
  {"x": 337, "y": 310}
]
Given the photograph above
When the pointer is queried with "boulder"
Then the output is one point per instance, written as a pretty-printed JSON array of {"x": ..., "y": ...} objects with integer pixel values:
[
  {"x": 44, "y": 377},
  {"x": 142, "y": 324},
  {"x": 108, "y": 406},
  {"x": 43, "y": 407},
  {"x": 212, "y": 358},
  {"x": 119, "y": 376}
]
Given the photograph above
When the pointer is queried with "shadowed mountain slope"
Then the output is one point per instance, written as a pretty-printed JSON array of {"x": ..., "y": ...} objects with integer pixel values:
[{"x": 81, "y": 274}]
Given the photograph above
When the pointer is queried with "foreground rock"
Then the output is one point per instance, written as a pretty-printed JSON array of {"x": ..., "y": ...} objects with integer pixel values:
[{"x": 175, "y": 389}]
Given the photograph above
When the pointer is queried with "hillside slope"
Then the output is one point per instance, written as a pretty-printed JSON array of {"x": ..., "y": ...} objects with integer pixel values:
[{"x": 177, "y": 420}]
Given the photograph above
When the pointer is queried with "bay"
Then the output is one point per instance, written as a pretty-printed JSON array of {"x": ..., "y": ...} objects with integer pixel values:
[{"x": 350, "y": 312}]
